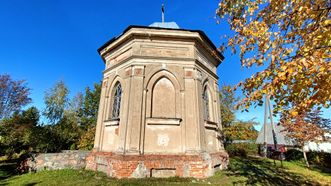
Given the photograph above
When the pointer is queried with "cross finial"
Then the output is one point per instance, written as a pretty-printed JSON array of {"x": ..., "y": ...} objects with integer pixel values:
[{"x": 162, "y": 13}]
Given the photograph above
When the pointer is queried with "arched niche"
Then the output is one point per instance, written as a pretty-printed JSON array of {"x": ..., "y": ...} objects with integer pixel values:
[
  {"x": 163, "y": 98},
  {"x": 207, "y": 99}
]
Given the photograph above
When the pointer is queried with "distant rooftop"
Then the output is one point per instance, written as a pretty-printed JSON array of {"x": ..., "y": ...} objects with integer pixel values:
[
  {"x": 280, "y": 132},
  {"x": 172, "y": 25}
]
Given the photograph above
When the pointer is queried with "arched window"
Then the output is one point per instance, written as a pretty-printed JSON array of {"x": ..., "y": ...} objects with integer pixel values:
[
  {"x": 117, "y": 94},
  {"x": 205, "y": 98}
]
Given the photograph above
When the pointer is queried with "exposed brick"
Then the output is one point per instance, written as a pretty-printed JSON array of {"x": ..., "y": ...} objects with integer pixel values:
[{"x": 123, "y": 166}]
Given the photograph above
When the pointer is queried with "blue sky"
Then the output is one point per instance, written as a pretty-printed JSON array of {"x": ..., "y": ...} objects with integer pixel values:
[{"x": 46, "y": 41}]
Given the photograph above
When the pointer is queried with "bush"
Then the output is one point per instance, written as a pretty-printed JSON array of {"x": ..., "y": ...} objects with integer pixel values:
[
  {"x": 320, "y": 158},
  {"x": 293, "y": 155},
  {"x": 317, "y": 158},
  {"x": 241, "y": 149}
]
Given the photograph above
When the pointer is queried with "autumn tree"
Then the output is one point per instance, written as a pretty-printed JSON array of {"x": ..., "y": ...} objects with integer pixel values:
[
  {"x": 239, "y": 137},
  {"x": 307, "y": 127},
  {"x": 13, "y": 95},
  {"x": 291, "y": 40},
  {"x": 241, "y": 130}
]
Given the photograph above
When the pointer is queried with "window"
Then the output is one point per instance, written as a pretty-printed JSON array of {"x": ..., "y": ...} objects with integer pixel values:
[
  {"x": 205, "y": 98},
  {"x": 115, "y": 113}
]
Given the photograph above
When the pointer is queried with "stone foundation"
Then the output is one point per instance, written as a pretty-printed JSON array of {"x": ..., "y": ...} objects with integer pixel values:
[{"x": 139, "y": 166}]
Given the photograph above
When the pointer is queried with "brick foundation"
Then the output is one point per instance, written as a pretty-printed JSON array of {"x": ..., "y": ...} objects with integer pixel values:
[{"x": 139, "y": 166}]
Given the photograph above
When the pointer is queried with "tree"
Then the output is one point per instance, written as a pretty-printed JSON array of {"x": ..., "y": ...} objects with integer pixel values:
[
  {"x": 91, "y": 104},
  {"x": 315, "y": 117},
  {"x": 76, "y": 103},
  {"x": 89, "y": 114},
  {"x": 16, "y": 131},
  {"x": 241, "y": 130},
  {"x": 244, "y": 133},
  {"x": 13, "y": 95},
  {"x": 68, "y": 132},
  {"x": 56, "y": 101},
  {"x": 292, "y": 41},
  {"x": 86, "y": 141},
  {"x": 306, "y": 127},
  {"x": 228, "y": 101}
]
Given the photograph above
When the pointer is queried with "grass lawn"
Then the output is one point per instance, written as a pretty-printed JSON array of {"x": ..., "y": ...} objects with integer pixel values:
[{"x": 242, "y": 171}]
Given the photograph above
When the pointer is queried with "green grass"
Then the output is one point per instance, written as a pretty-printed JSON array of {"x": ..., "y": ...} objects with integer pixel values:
[
  {"x": 242, "y": 171},
  {"x": 258, "y": 171}
]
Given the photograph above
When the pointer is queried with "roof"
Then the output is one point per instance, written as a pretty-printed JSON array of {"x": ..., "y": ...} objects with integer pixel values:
[
  {"x": 203, "y": 35},
  {"x": 165, "y": 25},
  {"x": 281, "y": 137}
]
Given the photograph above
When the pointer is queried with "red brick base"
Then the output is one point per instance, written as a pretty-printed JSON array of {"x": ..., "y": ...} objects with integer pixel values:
[{"x": 138, "y": 166}]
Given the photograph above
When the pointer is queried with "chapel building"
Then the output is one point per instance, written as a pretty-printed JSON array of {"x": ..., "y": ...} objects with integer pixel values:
[{"x": 159, "y": 112}]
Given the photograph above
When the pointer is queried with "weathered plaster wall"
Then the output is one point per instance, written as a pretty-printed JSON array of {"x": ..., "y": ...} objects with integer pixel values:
[
  {"x": 162, "y": 128},
  {"x": 162, "y": 80}
]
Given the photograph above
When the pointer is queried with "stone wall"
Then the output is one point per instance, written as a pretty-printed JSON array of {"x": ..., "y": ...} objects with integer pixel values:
[{"x": 66, "y": 159}]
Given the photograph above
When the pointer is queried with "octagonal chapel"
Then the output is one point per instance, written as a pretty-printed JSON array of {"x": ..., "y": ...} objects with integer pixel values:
[{"x": 159, "y": 112}]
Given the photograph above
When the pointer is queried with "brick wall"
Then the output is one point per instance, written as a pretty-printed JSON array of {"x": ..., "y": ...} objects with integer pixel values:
[{"x": 139, "y": 166}]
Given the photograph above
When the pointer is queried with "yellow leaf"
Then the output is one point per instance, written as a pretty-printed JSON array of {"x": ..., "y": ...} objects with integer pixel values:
[{"x": 294, "y": 113}]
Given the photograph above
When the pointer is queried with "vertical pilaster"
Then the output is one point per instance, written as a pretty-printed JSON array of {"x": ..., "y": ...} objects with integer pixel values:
[
  {"x": 135, "y": 110},
  {"x": 200, "y": 111},
  {"x": 218, "y": 117},
  {"x": 99, "y": 127},
  {"x": 123, "y": 124},
  {"x": 191, "y": 108}
]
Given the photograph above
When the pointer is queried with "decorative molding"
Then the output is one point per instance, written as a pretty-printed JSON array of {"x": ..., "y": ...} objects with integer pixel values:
[
  {"x": 111, "y": 122},
  {"x": 209, "y": 71},
  {"x": 118, "y": 58},
  {"x": 128, "y": 72},
  {"x": 164, "y": 51},
  {"x": 200, "y": 57},
  {"x": 211, "y": 125},
  {"x": 139, "y": 70},
  {"x": 188, "y": 74},
  {"x": 163, "y": 121}
]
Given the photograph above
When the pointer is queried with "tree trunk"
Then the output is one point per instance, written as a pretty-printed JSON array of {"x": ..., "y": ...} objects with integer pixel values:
[{"x": 305, "y": 157}]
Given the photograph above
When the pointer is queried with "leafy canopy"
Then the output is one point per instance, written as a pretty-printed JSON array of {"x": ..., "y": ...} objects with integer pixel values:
[
  {"x": 227, "y": 105},
  {"x": 241, "y": 130},
  {"x": 292, "y": 40},
  {"x": 310, "y": 126},
  {"x": 56, "y": 101},
  {"x": 13, "y": 95}
]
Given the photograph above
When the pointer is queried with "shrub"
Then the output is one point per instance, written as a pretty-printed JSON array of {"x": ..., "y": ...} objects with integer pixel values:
[
  {"x": 317, "y": 158},
  {"x": 241, "y": 149},
  {"x": 320, "y": 158},
  {"x": 293, "y": 155}
]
